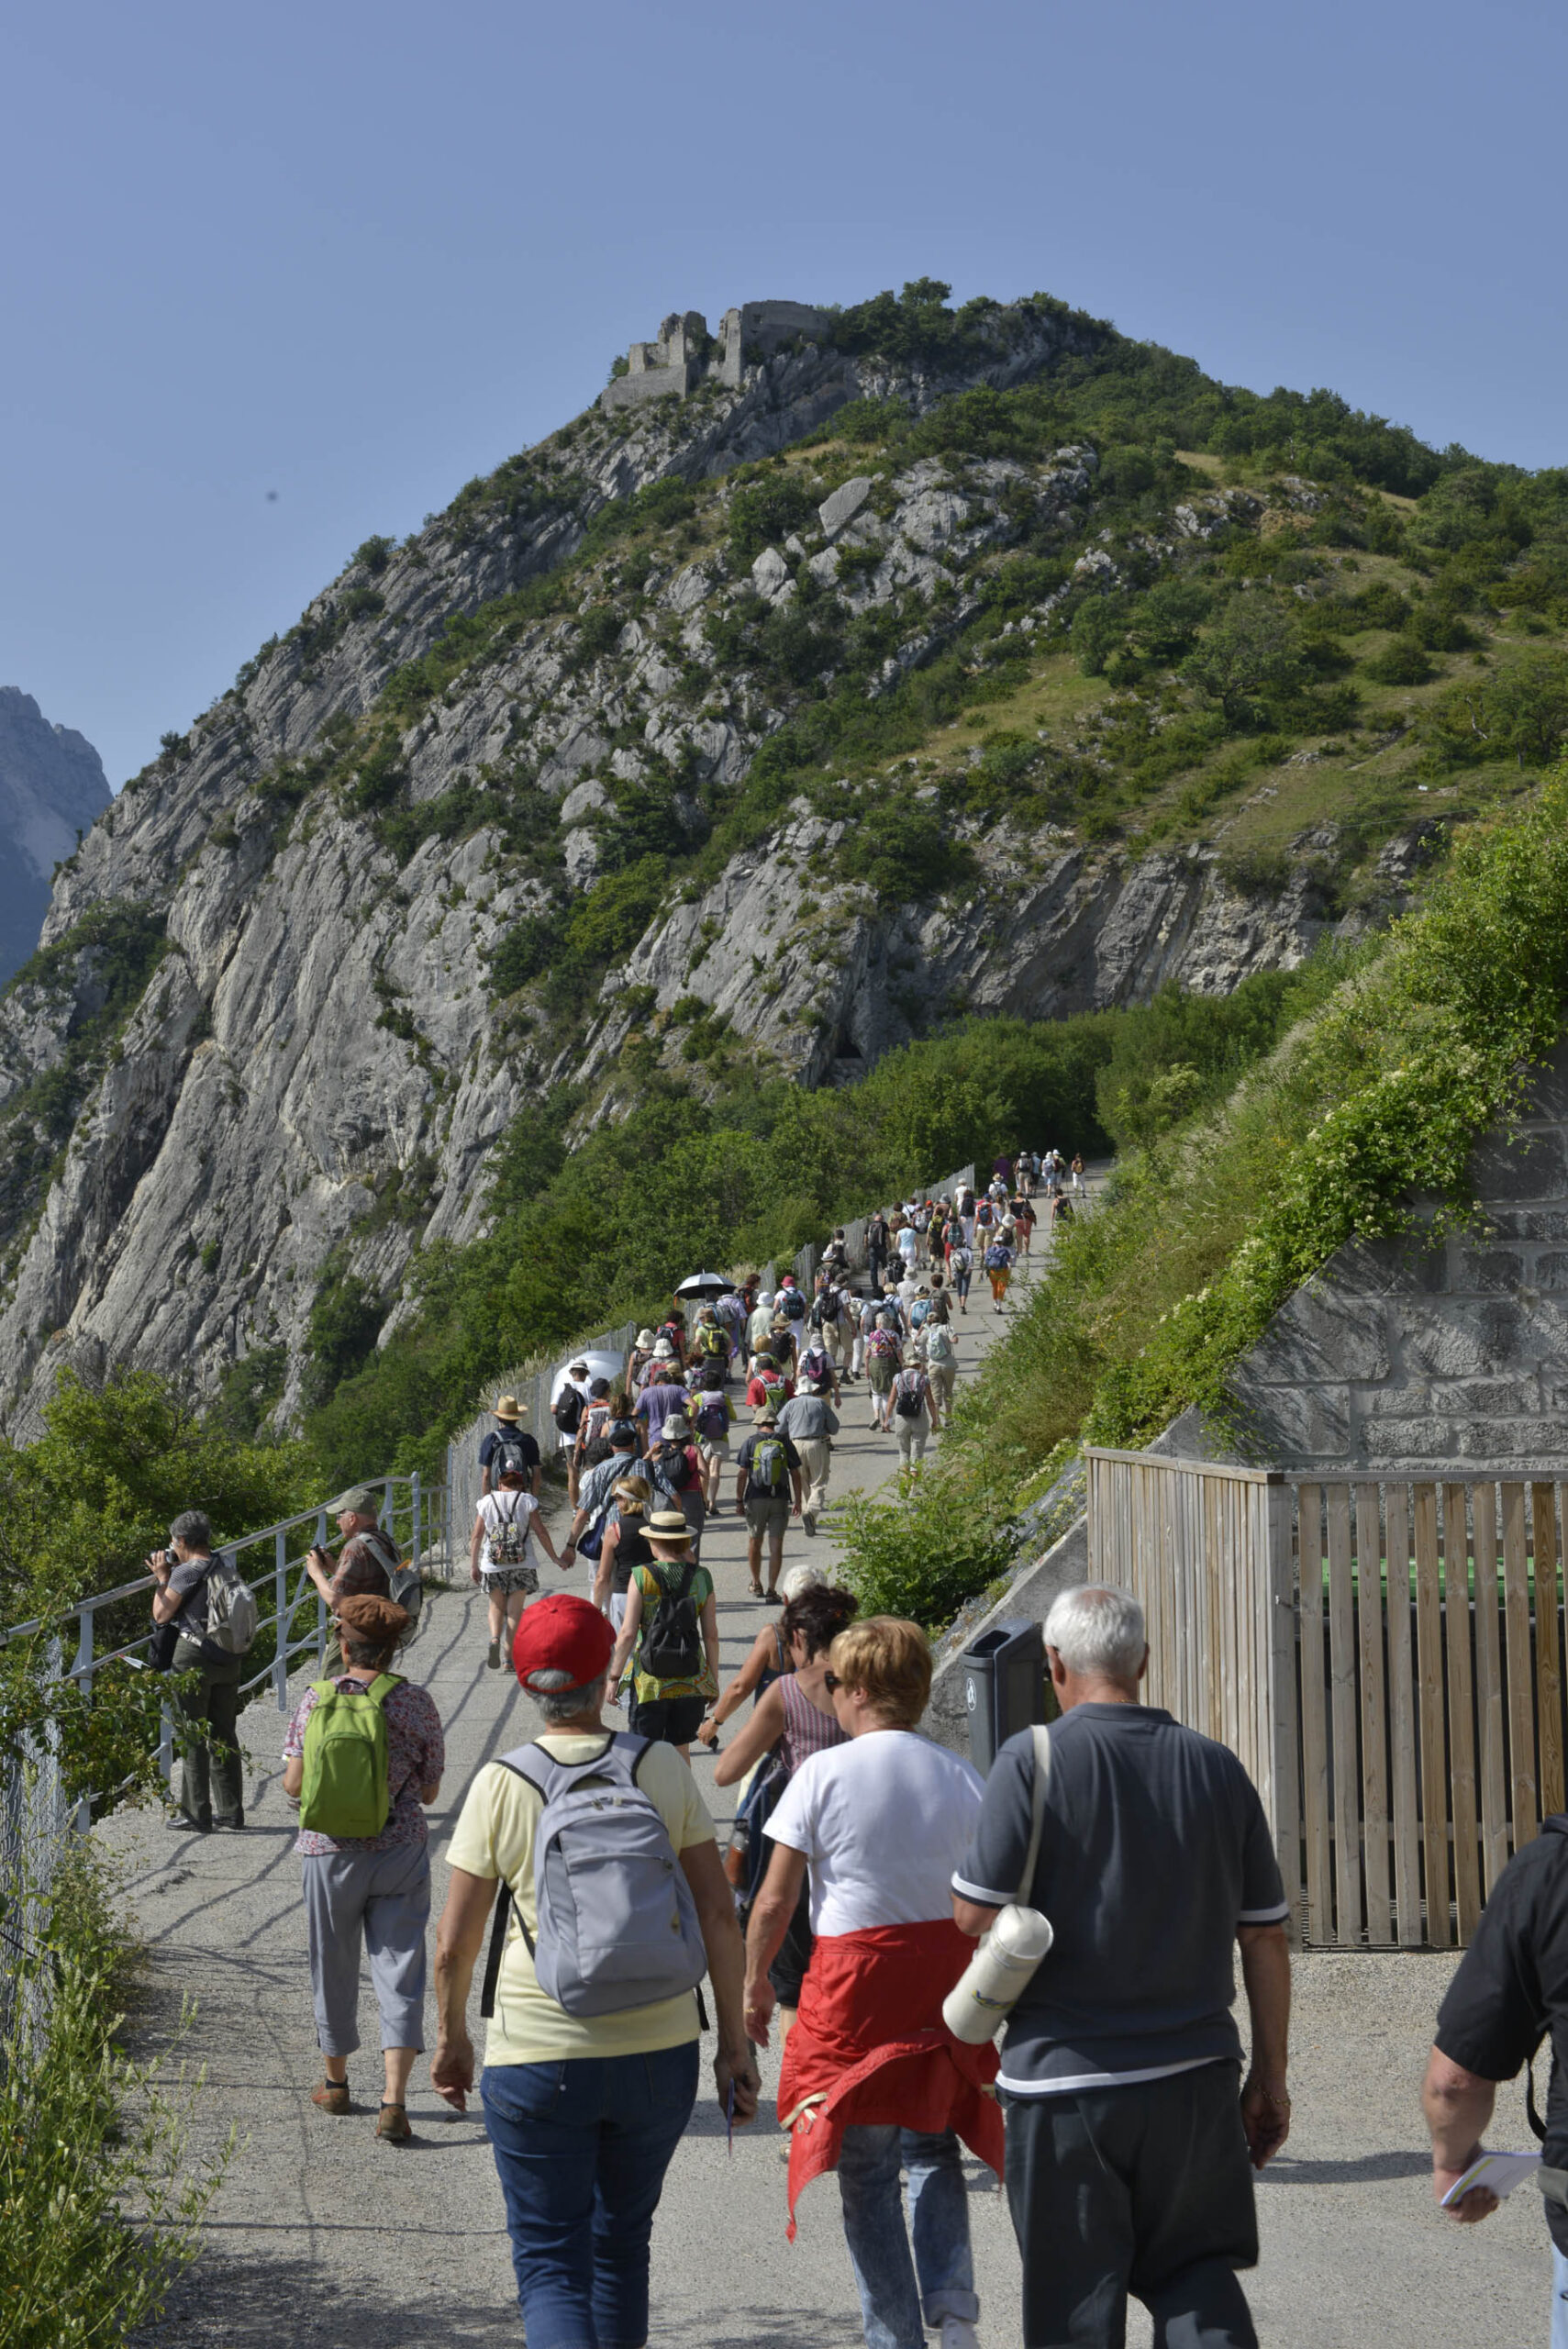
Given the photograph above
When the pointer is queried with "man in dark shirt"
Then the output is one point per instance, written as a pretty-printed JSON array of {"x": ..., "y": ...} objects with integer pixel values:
[
  {"x": 1511, "y": 1989},
  {"x": 765, "y": 1500},
  {"x": 1129, "y": 2154},
  {"x": 212, "y": 1786},
  {"x": 513, "y": 1443}
]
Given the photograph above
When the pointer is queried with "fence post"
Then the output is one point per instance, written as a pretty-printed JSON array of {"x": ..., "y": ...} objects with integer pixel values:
[
  {"x": 1283, "y": 1725},
  {"x": 414, "y": 1512},
  {"x": 281, "y": 1583}
]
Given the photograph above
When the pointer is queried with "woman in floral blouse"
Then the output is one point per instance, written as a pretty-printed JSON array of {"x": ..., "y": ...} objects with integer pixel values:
[{"x": 371, "y": 1888}]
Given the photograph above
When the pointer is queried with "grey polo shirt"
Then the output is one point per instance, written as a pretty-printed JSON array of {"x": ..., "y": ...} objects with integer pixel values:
[
  {"x": 1154, "y": 1850},
  {"x": 808, "y": 1416}
]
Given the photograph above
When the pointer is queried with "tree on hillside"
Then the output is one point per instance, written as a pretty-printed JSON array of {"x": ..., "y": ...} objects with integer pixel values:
[
  {"x": 1522, "y": 712},
  {"x": 1251, "y": 658}
]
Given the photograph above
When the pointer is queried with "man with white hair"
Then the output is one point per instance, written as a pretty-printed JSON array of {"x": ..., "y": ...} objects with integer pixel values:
[{"x": 1130, "y": 2150}]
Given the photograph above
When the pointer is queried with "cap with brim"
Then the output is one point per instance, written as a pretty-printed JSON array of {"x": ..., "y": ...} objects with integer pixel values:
[
  {"x": 622, "y": 1431},
  {"x": 645, "y": 1337},
  {"x": 769, "y": 1410},
  {"x": 508, "y": 1408},
  {"x": 563, "y": 1634},
  {"x": 362, "y": 1499},
  {"x": 576, "y": 1367},
  {"x": 666, "y": 1526},
  {"x": 676, "y": 1425}
]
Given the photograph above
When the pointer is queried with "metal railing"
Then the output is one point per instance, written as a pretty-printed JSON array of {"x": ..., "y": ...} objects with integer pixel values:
[{"x": 421, "y": 1508}]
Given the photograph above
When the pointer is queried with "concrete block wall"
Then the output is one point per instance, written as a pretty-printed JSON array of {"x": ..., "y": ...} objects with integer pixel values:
[{"x": 1423, "y": 1355}]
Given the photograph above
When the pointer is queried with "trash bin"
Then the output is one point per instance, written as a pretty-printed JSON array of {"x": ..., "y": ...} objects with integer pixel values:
[{"x": 1004, "y": 1686}]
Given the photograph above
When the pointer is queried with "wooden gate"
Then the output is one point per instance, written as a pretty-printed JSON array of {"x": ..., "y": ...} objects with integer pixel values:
[{"x": 1385, "y": 1655}]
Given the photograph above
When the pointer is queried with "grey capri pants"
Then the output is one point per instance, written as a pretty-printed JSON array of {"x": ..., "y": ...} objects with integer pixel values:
[{"x": 382, "y": 1897}]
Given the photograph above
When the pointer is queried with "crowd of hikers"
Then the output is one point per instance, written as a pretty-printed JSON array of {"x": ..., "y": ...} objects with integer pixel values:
[
  {"x": 589, "y": 1898},
  {"x": 877, "y": 1904}
]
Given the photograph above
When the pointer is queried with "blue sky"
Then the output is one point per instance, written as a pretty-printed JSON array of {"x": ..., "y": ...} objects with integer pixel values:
[{"x": 355, "y": 254}]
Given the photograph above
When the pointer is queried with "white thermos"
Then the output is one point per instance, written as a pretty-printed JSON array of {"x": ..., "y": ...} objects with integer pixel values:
[{"x": 997, "y": 1975}]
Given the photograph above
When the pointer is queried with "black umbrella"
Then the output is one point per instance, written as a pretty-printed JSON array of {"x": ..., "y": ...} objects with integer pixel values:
[{"x": 706, "y": 1284}]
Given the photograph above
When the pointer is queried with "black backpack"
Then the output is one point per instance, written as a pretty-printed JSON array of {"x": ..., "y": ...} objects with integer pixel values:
[
  {"x": 671, "y": 1469},
  {"x": 567, "y": 1411},
  {"x": 509, "y": 1455},
  {"x": 671, "y": 1645}
]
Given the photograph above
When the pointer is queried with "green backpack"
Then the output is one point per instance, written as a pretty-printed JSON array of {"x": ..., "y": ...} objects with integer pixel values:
[{"x": 345, "y": 1791}]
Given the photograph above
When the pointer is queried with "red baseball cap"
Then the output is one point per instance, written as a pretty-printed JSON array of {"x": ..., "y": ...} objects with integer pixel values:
[{"x": 563, "y": 1634}]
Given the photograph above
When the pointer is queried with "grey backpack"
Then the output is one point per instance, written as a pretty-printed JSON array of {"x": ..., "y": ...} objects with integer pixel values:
[
  {"x": 617, "y": 1926},
  {"x": 232, "y": 1616}
]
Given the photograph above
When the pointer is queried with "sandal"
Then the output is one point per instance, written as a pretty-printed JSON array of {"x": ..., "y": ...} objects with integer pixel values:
[
  {"x": 332, "y": 2096},
  {"x": 755, "y": 1590}
]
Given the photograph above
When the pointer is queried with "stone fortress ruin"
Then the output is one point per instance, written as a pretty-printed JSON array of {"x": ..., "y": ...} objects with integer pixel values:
[{"x": 685, "y": 354}]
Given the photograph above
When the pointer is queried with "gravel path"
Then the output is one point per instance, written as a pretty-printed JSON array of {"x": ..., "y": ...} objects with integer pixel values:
[{"x": 322, "y": 2236}]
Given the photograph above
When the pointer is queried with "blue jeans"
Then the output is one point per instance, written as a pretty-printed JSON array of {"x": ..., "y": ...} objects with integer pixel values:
[
  {"x": 581, "y": 2150},
  {"x": 890, "y": 2304}
]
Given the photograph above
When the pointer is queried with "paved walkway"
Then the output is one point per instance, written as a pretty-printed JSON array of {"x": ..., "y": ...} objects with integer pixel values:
[{"x": 322, "y": 2236}]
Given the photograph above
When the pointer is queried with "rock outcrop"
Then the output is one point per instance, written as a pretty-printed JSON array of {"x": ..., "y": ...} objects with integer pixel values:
[
  {"x": 262, "y": 1050},
  {"x": 53, "y": 790}
]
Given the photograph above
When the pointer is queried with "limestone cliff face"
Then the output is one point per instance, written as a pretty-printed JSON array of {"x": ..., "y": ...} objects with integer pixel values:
[
  {"x": 260, "y": 1046},
  {"x": 52, "y": 789}
]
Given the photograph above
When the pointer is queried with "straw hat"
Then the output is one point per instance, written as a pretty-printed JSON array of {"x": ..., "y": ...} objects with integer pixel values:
[{"x": 508, "y": 1408}]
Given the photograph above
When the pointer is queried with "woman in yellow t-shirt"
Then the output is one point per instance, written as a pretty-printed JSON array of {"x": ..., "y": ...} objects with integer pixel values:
[
  {"x": 668, "y": 1708},
  {"x": 583, "y": 2111}
]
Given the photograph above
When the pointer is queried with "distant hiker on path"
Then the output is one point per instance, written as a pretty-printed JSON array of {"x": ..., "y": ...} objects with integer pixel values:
[
  {"x": 366, "y": 1565},
  {"x": 669, "y": 1635},
  {"x": 362, "y": 1756},
  {"x": 212, "y": 1774},
  {"x": 568, "y": 1411},
  {"x": 508, "y": 1445},
  {"x": 501, "y": 1557},
  {"x": 589, "y": 2083},
  {"x": 768, "y": 1489}
]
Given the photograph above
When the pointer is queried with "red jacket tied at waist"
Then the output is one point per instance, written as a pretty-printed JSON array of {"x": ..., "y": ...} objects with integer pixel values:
[{"x": 870, "y": 2047}]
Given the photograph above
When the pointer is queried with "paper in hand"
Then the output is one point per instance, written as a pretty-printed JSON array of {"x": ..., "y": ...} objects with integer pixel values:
[{"x": 1498, "y": 2173}]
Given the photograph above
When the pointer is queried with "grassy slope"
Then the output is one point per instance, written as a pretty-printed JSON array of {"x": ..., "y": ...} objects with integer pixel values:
[{"x": 1372, "y": 1100}]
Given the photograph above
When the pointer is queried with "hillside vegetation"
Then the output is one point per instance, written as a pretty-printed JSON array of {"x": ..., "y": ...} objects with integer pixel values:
[
  {"x": 1079, "y": 608},
  {"x": 1370, "y": 1102}
]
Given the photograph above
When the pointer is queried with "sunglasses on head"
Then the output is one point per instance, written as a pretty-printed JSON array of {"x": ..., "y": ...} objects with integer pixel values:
[{"x": 830, "y": 1681}]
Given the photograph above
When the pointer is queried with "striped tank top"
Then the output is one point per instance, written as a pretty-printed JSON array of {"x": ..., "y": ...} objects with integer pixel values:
[{"x": 805, "y": 1730}]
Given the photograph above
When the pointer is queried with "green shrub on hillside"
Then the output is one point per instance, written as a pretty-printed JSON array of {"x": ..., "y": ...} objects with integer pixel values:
[{"x": 1372, "y": 1102}]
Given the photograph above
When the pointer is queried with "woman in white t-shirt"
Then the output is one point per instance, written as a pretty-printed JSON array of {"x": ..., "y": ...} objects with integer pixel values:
[
  {"x": 501, "y": 1555},
  {"x": 870, "y": 2083}
]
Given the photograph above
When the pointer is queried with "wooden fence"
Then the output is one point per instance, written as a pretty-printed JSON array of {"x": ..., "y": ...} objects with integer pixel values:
[{"x": 1386, "y": 1655}]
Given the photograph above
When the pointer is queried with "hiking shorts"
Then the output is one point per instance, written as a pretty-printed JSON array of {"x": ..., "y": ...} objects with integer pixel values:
[
  {"x": 508, "y": 1579},
  {"x": 668, "y": 1720},
  {"x": 770, "y": 1517},
  {"x": 879, "y": 1370},
  {"x": 714, "y": 1447}
]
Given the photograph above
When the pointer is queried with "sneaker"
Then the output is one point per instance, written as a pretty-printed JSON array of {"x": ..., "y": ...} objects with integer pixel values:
[
  {"x": 494, "y": 1659},
  {"x": 332, "y": 2096},
  {"x": 809, "y": 1523},
  {"x": 958, "y": 2333},
  {"x": 391, "y": 2124}
]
